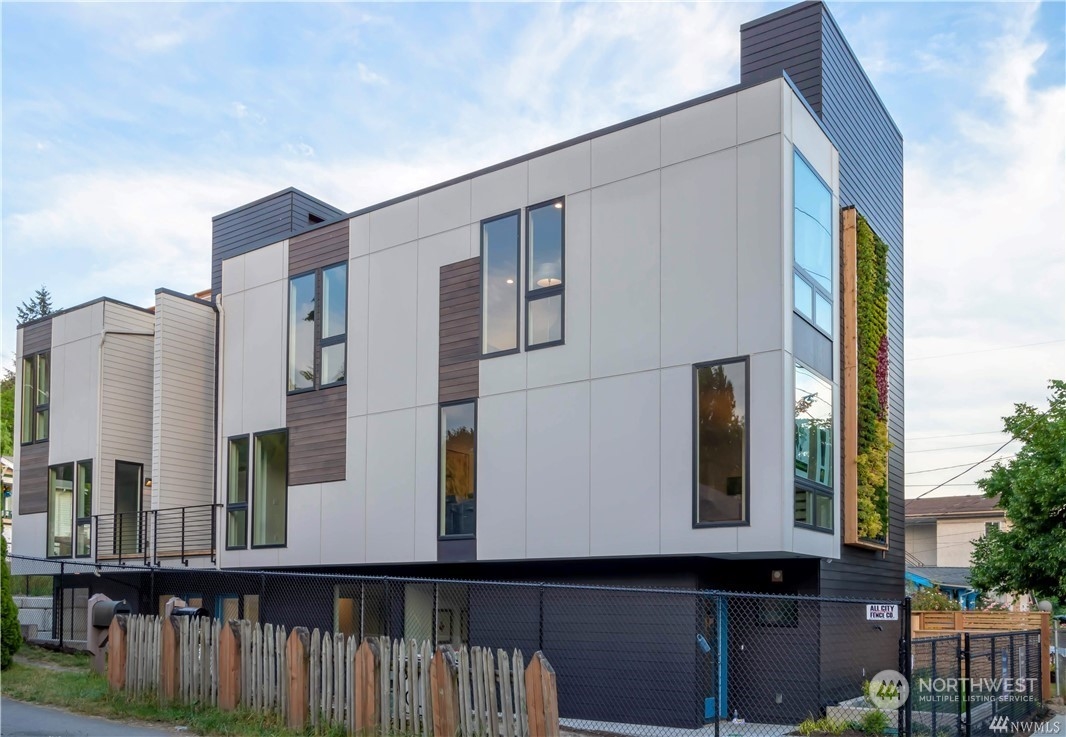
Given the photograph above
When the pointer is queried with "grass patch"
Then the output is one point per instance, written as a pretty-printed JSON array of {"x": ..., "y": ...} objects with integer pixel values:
[
  {"x": 43, "y": 655},
  {"x": 85, "y": 692}
]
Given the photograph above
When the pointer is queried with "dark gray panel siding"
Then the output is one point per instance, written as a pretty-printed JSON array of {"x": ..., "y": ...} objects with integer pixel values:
[
  {"x": 261, "y": 223},
  {"x": 871, "y": 179},
  {"x": 37, "y": 337},
  {"x": 790, "y": 40},
  {"x": 322, "y": 247}
]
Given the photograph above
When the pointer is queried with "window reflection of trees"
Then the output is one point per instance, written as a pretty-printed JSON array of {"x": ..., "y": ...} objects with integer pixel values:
[{"x": 720, "y": 427}]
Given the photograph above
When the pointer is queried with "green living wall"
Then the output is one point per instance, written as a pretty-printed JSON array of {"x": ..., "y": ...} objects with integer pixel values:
[{"x": 872, "y": 317}]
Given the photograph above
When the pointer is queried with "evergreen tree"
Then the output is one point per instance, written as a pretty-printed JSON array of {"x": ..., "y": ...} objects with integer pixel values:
[
  {"x": 10, "y": 634},
  {"x": 39, "y": 306}
]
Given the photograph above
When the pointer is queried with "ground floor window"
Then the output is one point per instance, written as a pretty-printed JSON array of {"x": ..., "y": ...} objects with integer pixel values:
[
  {"x": 237, "y": 493},
  {"x": 458, "y": 469}
]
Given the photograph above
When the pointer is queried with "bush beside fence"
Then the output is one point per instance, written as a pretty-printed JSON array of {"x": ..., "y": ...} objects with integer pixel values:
[{"x": 378, "y": 687}]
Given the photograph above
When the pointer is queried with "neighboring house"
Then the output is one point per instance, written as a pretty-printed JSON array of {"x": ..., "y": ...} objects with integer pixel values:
[
  {"x": 941, "y": 530},
  {"x": 615, "y": 360},
  {"x": 940, "y": 535}
]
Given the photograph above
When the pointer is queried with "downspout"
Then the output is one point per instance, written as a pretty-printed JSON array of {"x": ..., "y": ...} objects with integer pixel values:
[{"x": 220, "y": 509}]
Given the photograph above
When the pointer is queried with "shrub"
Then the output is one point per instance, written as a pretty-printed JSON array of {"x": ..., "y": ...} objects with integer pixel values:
[
  {"x": 874, "y": 723},
  {"x": 933, "y": 600},
  {"x": 10, "y": 636}
]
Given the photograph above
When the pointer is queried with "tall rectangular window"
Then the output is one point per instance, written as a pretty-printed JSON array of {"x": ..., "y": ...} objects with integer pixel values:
[
  {"x": 60, "y": 511},
  {"x": 499, "y": 284},
  {"x": 270, "y": 479},
  {"x": 237, "y": 493},
  {"x": 813, "y": 456},
  {"x": 83, "y": 511},
  {"x": 721, "y": 442},
  {"x": 458, "y": 469},
  {"x": 812, "y": 229},
  {"x": 334, "y": 323},
  {"x": 35, "y": 392},
  {"x": 302, "y": 332},
  {"x": 318, "y": 324},
  {"x": 544, "y": 275}
]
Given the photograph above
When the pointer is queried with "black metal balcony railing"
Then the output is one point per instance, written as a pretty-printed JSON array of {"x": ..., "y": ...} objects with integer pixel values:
[{"x": 152, "y": 535}]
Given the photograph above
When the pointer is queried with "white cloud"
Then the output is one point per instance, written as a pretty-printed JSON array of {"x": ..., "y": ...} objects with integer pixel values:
[
  {"x": 366, "y": 76},
  {"x": 986, "y": 251},
  {"x": 159, "y": 42}
]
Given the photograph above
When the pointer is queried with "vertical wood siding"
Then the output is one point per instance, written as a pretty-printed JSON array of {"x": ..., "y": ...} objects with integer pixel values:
[
  {"x": 460, "y": 329},
  {"x": 183, "y": 402},
  {"x": 31, "y": 461},
  {"x": 317, "y": 420}
]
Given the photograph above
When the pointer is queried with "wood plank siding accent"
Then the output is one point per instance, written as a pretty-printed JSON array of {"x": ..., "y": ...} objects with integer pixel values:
[
  {"x": 32, "y": 460},
  {"x": 33, "y": 478},
  {"x": 317, "y": 423},
  {"x": 460, "y": 330},
  {"x": 317, "y": 420}
]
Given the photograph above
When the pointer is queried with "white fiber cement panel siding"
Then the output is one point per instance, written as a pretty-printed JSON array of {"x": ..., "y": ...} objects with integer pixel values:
[
  {"x": 184, "y": 403},
  {"x": 625, "y": 276}
]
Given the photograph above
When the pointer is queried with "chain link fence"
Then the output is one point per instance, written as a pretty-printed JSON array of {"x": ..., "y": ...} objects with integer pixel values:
[{"x": 628, "y": 660}]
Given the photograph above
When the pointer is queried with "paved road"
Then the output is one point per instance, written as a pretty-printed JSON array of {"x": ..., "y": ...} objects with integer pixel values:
[{"x": 26, "y": 720}]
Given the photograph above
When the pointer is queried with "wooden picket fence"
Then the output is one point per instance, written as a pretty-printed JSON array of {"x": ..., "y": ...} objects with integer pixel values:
[{"x": 377, "y": 687}]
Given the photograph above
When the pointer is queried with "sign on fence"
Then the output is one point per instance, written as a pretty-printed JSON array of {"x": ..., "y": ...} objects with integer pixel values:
[{"x": 882, "y": 612}]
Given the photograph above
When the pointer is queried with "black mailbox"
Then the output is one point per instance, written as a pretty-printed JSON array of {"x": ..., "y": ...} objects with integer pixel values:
[
  {"x": 105, "y": 611},
  {"x": 188, "y": 611}
]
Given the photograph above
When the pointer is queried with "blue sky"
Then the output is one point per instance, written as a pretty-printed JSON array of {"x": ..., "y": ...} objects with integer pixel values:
[{"x": 127, "y": 126}]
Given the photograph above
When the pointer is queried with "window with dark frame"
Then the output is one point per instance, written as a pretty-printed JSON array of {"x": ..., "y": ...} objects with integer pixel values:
[
  {"x": 812, "y": 229},
  {"x": 60, "y": 518},
  {"x": 317, "y": 328},
  {"x": 458, "y": 469},
  {"x": 270, "y": 488},
  {"x": 83, "y": 509},
  {"x": 35, "y": 392},
  {"x": 500, "y": 275},
  {"x": 237, "y": 493},
  {"x": 545, "y": 259},
  {"x": 814, "y": 450},
  {"x": 721, "y": 443}
]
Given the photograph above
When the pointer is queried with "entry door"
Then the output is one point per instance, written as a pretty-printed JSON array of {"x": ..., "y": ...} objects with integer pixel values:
[{"x": 129, "y": 482}]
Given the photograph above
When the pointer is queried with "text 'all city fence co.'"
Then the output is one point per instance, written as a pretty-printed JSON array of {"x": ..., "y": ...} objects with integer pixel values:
[{"x": 882, "y": 612}]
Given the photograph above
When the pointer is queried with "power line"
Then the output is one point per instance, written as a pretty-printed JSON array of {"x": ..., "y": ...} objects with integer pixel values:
[
  {"x": 962, "y": 473},
  {"x": 952, "y": 447},
  {"x": 982, "y": 350},
  {"x": 909, "y": 438},
  {"x": 972, "y": 483},
  {"x": 960, "y": 465}
]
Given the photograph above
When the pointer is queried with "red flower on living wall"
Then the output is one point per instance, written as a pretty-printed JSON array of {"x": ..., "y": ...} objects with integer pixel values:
[{"x": 882, "y": 378}]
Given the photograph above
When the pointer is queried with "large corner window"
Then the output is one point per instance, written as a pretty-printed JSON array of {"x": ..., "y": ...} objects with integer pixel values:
[
  {"x": 814, "y": 450},
  {"x": 544, "y": 275},
  {"x": 458, "y": 467},
  {"x": 237, "y": 493},
  {"x": 721, "y": 442},
  {"x": 499, "y": 284},
  {"x": 60, "y": 511},
  {"x": 318, "y": 337},
  {"x": 35, "y": 390},
  {"x": 270, "y": 479},
  {"x": 83, "y": 509},
  {"x": 813, "y": 246}
]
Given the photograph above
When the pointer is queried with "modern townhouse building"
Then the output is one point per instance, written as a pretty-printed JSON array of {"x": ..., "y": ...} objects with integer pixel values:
[{"x": 635, "y": 357}]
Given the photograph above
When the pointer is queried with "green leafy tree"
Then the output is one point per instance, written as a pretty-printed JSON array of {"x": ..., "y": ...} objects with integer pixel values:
[
  {"x": 1030, "y": 557},
  {"x": 7, "y": 413},
  {"x": 933, "y": 600},
  {"x": 40, "y": 305},
  {"x": 10, "y": 635}
]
